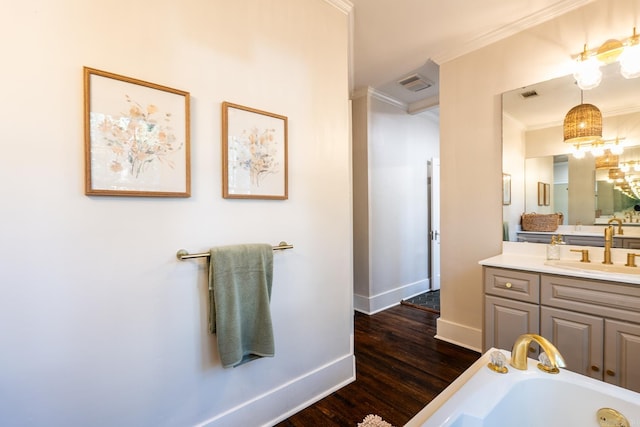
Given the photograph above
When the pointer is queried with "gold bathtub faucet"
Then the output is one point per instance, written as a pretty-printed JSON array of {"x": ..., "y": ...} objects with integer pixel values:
[{"x": 521, "y": 350}]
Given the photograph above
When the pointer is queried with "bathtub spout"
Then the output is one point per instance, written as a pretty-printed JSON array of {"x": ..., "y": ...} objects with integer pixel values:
[{"x": 521, "y": 349}]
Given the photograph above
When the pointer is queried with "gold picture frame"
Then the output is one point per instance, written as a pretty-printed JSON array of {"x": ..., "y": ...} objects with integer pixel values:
[
  {"x": 136, "y": 137},
  {"x": 254, "y": 153},
  {"x": 540, "y": 193}
]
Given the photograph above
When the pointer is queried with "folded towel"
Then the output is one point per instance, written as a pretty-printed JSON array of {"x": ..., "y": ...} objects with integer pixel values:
[{"x": 240, "y": 279}]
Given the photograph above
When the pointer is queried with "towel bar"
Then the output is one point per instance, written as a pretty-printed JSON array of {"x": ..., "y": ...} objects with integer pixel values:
[{"x": 182, "y": 254}]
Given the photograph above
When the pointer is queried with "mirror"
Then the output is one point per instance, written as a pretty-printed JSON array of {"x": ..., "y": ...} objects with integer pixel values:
[{"x": 534, "y": 152}]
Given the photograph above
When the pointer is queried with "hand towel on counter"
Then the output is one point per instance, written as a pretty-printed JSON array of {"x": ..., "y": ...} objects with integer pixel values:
[{"x": 240, "y": 279}]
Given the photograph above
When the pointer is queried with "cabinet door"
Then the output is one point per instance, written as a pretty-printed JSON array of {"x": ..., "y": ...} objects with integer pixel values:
[
  {"x": 579, "y": 337},
  {"x": 506, "y": 320},
  {"x": 622, "y": 354},
  {"x": 630, "y": 243}
]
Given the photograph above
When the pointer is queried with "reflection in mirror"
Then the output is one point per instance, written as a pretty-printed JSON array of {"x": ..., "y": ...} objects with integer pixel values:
[{"x": 588, "y": 190}]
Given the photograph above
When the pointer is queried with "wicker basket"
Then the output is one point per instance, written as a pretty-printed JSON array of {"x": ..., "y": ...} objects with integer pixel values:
[{"x": 540, "y": 222}]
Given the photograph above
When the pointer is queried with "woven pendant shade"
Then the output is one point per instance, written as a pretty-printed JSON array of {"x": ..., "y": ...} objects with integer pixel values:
[
  {"x": 583, "y": 123},
  {"x": 607, "y": 161}
]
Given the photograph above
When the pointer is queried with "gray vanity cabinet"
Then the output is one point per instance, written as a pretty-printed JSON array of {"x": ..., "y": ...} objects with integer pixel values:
[
  {"x": 595, "y": 324},
  {"x": 511, "y": 307},
  {"x": 622, "y": 354},
  {"x": 626, "y": 242},
  {"x": 578, "y": 336}
]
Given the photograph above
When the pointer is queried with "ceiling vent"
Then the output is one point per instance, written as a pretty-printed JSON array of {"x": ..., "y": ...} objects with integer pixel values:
[
  {"x": 415, "y": 83},
  {"x": 529, "y": 94}
]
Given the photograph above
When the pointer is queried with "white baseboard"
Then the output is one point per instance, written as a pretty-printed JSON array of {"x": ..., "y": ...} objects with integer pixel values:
[
  {"x": 461, "y": 335},
  {"x": 390, "y": 298},
  {"x": 282, "y": 402}
]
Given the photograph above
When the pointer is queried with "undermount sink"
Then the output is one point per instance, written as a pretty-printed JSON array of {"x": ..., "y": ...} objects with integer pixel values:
[{"x": 594, "y": 267}]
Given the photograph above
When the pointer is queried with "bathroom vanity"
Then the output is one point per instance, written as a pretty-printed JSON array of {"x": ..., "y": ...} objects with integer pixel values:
[
  {"x": 585, "y": 236},
  {"x": 591, "y": 315}
]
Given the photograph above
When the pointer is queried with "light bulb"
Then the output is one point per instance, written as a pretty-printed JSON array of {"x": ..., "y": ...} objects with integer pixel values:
[
  {"x": 630, "y": 62},
  {"x": 616, "y": 149},
  {"x": 597, "y": 151},
  {"x": 588, "y": 74}
]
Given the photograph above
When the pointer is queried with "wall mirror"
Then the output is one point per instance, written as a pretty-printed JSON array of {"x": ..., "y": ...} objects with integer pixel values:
[{"x": 584, "y": 190}]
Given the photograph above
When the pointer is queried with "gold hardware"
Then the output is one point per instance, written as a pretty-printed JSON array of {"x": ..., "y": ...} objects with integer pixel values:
[
  {"x": 497, "y": 363},
  {"x": 585, "y": 254},
  {"x": 608, "y": 417},
  {"x": 631, "y": 260},
  {"x": 610, "y": 373},
  {"x": 608, "y": 240},
  {"x": 521, "y": 346},
  {"x": 182, "y": 254},
  {"x": 508, "y": 285},
  {"x": 619, "y": 221},
  {"x": 594, "y": 368}
]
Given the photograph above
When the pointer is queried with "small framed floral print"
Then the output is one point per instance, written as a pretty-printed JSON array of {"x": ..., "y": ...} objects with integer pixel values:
[
  {"x": 254, "y": 153},
  {"x": 136, "y": 137}
]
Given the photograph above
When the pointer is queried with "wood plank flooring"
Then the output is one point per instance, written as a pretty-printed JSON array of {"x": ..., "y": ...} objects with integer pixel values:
[{"x": 400, "y": 367}]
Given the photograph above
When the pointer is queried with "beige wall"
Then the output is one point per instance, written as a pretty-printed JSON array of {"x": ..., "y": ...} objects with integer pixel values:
[
  {"x": 100, "y": 324},
  {"x": 471, "y": 145}
]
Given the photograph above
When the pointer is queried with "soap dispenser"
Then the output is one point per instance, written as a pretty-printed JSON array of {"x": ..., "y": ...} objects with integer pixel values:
[{"x": 553, "y": 249}]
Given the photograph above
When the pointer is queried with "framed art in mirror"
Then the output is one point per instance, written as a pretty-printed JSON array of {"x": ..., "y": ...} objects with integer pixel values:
[
  {"x": 136, "y": 137},
  {"x": 547, "y": 194},
  {"x": 540, "y": 193},
  {"x": 254, "y": 154},
  {"x": 506, "y": 189}
]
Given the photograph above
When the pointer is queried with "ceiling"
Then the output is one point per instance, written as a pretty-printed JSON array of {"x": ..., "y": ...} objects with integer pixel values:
[
  {"x": 614, "y": 96},
  {"x": 393, "y": 39}
]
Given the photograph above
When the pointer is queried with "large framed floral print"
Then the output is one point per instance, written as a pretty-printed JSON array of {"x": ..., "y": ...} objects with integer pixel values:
[
  {"x": 254, "y": 153},
  {"x": 136, "y": 137}
]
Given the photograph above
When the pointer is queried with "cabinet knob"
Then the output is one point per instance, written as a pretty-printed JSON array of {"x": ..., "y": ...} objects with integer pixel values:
[
  {"x": 595, "y": 368},
  {"x": 508, "y": 285},
  {"x": 610, "y": 373}
]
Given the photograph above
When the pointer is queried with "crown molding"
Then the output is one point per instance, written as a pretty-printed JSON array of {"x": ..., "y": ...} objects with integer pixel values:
[
  {"x": 344, "y": 6},
  {"x": 532, "y": 20}
]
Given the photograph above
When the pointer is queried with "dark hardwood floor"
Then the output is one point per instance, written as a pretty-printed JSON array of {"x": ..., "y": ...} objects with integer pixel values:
[{"x": 400, "y": 367}]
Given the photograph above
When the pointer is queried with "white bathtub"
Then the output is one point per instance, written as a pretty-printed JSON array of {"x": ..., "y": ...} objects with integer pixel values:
[{"x": 481, "y": 397}]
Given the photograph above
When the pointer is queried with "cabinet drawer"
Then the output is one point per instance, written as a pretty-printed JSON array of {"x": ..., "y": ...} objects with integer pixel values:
[
  {"x": 607, "y": 299},
  {"x": 513, "y": 284}
]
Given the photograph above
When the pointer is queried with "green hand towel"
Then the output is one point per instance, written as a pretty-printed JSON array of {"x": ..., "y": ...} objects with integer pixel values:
[{"x": 240, "y": 279}]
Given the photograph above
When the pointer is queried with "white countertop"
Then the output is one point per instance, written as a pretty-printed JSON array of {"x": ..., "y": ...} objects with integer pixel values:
[{"x": 532, "y": 257}]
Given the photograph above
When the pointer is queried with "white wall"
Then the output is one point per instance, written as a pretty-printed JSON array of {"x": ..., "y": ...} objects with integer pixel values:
[
  {"x": 470, "y": 130},
  {"x": 100, "y": 325},
  {"x": 391, "y": 213},
  {"x": 538, "y": 170},
  {"x": 513, "y": 164}
]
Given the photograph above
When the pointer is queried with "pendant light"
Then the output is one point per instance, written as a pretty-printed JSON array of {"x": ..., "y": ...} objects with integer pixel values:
[{"x": 583, "y": 124}]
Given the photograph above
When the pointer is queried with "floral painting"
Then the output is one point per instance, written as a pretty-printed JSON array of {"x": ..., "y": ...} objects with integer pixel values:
[
  {"x": 136, "y": 137},
  {"x": 254, "y": 153}
]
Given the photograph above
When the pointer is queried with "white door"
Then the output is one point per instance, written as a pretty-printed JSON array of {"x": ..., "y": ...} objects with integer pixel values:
[{"x": 434, "y": 222}]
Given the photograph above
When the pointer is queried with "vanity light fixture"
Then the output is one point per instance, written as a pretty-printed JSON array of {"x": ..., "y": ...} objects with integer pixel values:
[
  {"x": 627, "y": 52},
  {"x": 606, "y": 151},
  {"x": 630, "y": 58}
]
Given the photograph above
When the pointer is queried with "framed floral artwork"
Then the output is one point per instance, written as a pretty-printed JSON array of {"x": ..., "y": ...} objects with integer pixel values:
[
  {"x": 254, "y": 154},
  {"x": 136, "y": 137}
]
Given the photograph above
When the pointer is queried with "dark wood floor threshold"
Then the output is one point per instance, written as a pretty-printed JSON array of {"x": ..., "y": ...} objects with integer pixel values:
[
  {"x": 420, "y": 307},
  {"x": 400, "y": 367}
]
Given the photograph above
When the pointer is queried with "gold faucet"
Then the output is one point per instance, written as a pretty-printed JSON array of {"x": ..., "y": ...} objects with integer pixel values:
[
  {"x": 619, "y": 221},
  {"x": 521, "y": 349},
  {"x": 608, "y": 240}
]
